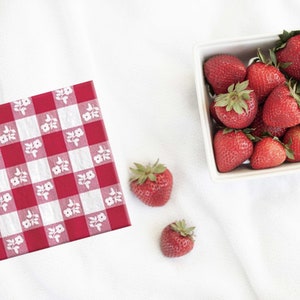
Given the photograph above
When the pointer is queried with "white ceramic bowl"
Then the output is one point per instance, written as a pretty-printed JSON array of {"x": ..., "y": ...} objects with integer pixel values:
[{"x": 245, "y": 49}]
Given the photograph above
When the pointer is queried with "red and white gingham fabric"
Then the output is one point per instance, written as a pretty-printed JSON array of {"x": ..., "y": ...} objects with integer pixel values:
[{"x": 58, "y": 181}]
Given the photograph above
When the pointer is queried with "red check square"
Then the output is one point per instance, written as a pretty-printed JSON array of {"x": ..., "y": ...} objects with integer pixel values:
[
  {"x": 43, "y": 102},
  {"x": 95, "y": 132},
  {"x": 6, "y": 113},
  {"x": 65, "y": 186},
  {"x": 106, "y": 174},
  {"x": 13, "y": 155},
  {"x": 36, "y": 239},
  {"x": 24, "y": 197},
  {"x": 77, "y": 228},
  {"x": 54, "y": 143},
  {"x": 84, "y": 91}
]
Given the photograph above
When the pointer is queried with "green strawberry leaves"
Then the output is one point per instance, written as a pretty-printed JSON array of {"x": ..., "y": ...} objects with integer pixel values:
[
  {"x": 284, "y": 37},
  {"x": 294, "y": 90},
  {"x": 182, "y": 229},
  {"x": 141, "y": 173},
  {"x": 236, "y": 98}
]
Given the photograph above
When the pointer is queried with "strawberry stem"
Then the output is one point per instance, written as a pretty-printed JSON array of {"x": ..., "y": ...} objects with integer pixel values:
[
  {"x": 182, "y": 229},
  {"x": 141, "y": 173},
  {"x": 236, "y": 97}
]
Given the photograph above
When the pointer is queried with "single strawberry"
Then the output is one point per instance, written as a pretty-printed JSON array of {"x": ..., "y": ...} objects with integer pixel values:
[
  {"x": 236, "y": 108},
  {"x": 268, "y": 153},
  {"x": 231, "y": 149},
  {"x": 152, "y": 184},
  {"x": 222, "y": 70},
  {"x": 263, "y": 75},
  {"x": 292, "y": 138},
  {"x": 282, "y": 107},
  {"x": 288, "y": 53},
  {"x": 177, "y": 239},
  {"x": 260, "y": 129}
]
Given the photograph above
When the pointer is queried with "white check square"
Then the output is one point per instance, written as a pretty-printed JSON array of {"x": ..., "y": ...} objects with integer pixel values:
[
  {"x": 4, "y": 182},
  {"x": 51, "y": 212},
  {"x": 28, "y": 128},
  {"x": 10, "y": 224},
  {"x": 92, "y": 201},
  {"x": 81, "y": 159},
  {"x": 39, "y": 170},
  {"x": 69, "y": 117}
]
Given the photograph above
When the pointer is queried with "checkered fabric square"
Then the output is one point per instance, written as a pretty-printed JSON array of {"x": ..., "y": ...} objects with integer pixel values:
[{"x": 58, "y": 180}]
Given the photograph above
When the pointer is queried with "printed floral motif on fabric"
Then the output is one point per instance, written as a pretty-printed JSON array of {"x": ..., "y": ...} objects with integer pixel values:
[
  {"x": 92, "y": 112},
  {"x": 44, "y": 189},
  {"x": 115, "y": 197},
  {"x": 85, "y": 179},
  {"x": 19, "y": 178},
  {"x": 55, "y": 232},
  {"x": 8, "y": 135},
  {"x": 15, "y": 244},
  {"x": 73, "y": 208},
  {"x": 4, "y": 201},
  {"x": 104, "y": 154},
  {"x": 74, "y": 136},
  {"x": 96, "y": 221},
  {"x": 21, "y": 105},
  {"x": 63, "y": 94}
]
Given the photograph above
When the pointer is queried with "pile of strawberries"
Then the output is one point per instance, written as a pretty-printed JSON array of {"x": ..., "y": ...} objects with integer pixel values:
[{"x": 256, "y": 107}]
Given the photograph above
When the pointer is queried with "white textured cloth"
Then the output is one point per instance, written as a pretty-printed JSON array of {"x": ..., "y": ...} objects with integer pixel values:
[{"x": 140, "y": 56}]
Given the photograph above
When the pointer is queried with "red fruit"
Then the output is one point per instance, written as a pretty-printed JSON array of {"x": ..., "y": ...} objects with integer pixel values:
[
  {"x": 264, "y": 76},
  {"x": 213, "y": 114},
  {"x": 237, "y": 108},
  {"x": 292, "y": 139},
  {"x": 231, "y": 149},
  {"x": 177, "y": 239},
  {"x": 288, "y": 53},
  {"x": 222, "y": 70},
  {"x": 260, "y": 129},
  {"x": 268, "y": 152},
  {"x": 152, "y": 183},
  {"x": 281, "y": 108}
]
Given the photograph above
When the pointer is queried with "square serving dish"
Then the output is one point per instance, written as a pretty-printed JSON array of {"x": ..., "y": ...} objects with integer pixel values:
[{"x": 245, "y": 49}]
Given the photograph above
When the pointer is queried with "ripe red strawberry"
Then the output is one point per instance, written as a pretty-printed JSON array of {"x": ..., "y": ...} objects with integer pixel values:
[
  {"x": 282, "y": 107},
  {"x": 222, "y": 70},
  {"x": 231, "y": 148},
  {"x": 238, "y": 107},
  {"x": 177, "y": 239},
  {"x": 260, "y": 129},
  {"x": 268, "y": 152},
  {"x": 152, "y": 183},
  {"x": 288, "y": 53},
  {"x": 264, "y": 75},
  {"x": 292, "y": 138}
]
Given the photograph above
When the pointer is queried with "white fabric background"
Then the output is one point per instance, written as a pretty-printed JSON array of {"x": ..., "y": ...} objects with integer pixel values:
[{"x": 140, "y": 56}]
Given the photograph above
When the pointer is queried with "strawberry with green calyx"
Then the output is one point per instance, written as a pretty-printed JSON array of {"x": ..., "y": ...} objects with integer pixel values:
[
  {"x": 237, "y": 108},
  {"x": 222, "y": 70},
  {"x": 268, "y": 153},
  {"x": 232, "y": 148},
  {"x": 264, "y": 75},
  {"x": 152, "y": 184},
  {"x": 292, "y": 139},
  {"x": 177, "y": 239},
  {"x": 287, "y": 52},
  {"x": 282, "y": 107}
]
